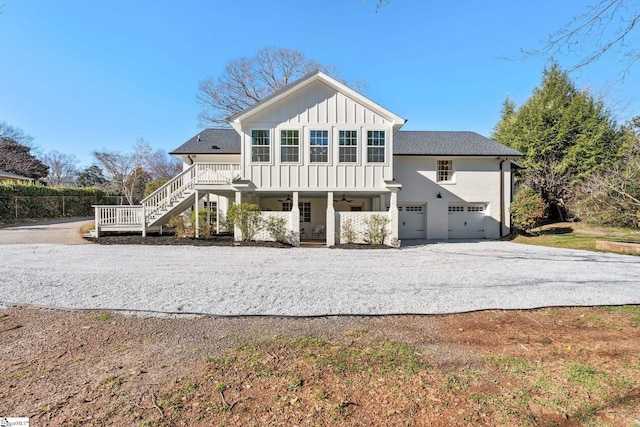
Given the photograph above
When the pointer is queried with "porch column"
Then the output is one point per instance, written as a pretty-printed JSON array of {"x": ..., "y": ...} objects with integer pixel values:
[
  {"x": 144, "y": 222},
  {"x": 197, "y": 221},
  {"x": 237, "y": 234},
  {"x": 295, "y": 220},
  {"x": 208, "y": 211},
  {"x": 383, "y": 203},
  {"x": 217, "y": 214},
  {"x": 393, "y": 216},
  {"x": 96, "y": 210},
  {"x": 330, "y": 229}
]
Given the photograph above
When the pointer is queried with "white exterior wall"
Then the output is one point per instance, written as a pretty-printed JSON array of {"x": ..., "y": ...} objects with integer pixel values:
[
  {"x": 210, "y": 158},
  {"x": 475, "y": 180},
  {"x": 317, "y": 107}
]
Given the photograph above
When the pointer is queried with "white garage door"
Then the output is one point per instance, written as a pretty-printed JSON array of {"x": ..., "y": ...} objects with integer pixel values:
[
  {"x": 467, "y": 221},
  {"x": 412, "y": 221}
]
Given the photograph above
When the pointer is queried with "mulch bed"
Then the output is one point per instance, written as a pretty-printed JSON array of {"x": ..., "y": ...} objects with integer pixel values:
[
  {"x": 225, "y": 239},
  {"x": 173, "y": 240}
]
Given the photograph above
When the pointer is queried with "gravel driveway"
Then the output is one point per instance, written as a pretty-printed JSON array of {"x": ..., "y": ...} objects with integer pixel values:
[{"x": 425, "y": 279}]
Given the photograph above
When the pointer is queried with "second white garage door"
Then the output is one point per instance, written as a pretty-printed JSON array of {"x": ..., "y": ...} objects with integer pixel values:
[
  {"x": 412, "y": 221},
  {"x": 467, "y": 221}
]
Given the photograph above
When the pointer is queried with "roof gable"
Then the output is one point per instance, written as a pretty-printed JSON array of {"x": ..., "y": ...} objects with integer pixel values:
[{"x": 304, "y": 82}]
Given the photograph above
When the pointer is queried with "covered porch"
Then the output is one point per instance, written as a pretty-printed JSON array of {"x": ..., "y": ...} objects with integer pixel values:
[{"x": 319, "y": 216}]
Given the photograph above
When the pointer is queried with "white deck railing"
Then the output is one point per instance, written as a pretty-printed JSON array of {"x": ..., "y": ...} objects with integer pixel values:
[
  {"x": 136, "y": 217},
  {"x": 217, "y": 173},
  {"x": 113, "y": 215}
]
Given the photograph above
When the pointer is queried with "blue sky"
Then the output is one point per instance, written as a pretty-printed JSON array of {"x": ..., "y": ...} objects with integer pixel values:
[{"x": 82, "y": 75}]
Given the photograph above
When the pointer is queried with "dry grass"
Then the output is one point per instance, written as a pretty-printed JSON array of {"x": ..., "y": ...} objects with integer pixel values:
[{"x": 557, "y": 366}]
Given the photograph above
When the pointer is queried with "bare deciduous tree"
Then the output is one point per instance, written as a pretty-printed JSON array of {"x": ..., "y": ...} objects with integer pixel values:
[
  {"x": 611, "y": 197},
  {"x": 607, "y": 26},
  {"x": 160, "y": 165},
  {"x": 126, "y": 170},
  {"x": 62, "y": 168},
  {"x": 246, "y": 81}
]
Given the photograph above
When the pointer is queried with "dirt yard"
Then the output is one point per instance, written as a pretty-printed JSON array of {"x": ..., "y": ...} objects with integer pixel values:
[{"x": 557, "y": 366}]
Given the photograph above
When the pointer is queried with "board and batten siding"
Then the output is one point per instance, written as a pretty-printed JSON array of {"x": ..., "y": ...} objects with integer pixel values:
[{"x": 317, "y": 107}]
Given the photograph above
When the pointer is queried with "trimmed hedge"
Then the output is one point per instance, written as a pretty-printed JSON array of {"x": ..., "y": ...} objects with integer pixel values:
[{"x": 37, "y": 201}]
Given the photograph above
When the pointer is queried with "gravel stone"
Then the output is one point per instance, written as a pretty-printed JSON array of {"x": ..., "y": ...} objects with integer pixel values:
[{"x": 427, "y": 278}]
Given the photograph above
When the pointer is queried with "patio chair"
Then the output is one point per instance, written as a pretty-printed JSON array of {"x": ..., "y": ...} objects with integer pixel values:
[{"x": 317, "y": 231}]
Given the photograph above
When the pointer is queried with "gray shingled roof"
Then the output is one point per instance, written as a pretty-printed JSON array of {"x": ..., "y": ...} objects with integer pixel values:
[
  {"x": 429, "y": 143},
  {"x": 406, "y": 143},
  {"x": 227, "y": 141}
]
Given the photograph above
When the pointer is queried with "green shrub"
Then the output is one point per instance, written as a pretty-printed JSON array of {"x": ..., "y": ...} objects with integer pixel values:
[
  {"x": 152, "y": 186},
  {"x": 177, "y": 223},
  {"x": 527, "y": 209},
  {"x": 276, "y": 226},
  {"x": 204, "y": 228},
  {"x": 377, "y": 230},
  {"x": 39, "y": 201},
  {"x": 245, "y": 216},
  {"x": 347, "y": 231}
]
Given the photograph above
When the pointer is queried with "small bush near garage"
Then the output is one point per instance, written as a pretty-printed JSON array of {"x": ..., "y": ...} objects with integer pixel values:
[
  {"x": 377, "y": 229},
  {"x": 527, "y": 210}
]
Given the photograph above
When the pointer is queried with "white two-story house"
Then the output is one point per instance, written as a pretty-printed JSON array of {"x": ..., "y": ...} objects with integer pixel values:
[{"x": 320, "y": 155}]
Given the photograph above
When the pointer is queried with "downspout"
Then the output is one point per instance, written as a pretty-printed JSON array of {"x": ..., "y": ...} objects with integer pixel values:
[
  {"x": 190, "y": 159},
  {"x": 501, "y": 195}
]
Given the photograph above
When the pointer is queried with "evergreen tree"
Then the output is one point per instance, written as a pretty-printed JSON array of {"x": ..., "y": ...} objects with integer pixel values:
[{"x": 565, "y": 135}]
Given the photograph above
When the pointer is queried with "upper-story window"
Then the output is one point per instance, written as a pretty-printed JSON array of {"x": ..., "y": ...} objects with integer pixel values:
[
  {"x": 375, "y": 146},
  {"x": 348, "y": 146},
  {"x": 445, "y": 171},
  {"x": 260, "y": 145},
  {"x": 289, "y": 146},
  {"x": 318, "y": 146}
]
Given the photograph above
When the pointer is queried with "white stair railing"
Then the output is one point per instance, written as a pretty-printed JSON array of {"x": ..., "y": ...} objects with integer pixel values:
[
  {"x": 172, "y": 190},
  {"x": 198, "y": 173},
  {"x": 161, "y": 201}
]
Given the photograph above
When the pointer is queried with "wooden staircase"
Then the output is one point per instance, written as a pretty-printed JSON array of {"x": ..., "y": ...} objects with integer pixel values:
[{"x": 173, "y": 198}]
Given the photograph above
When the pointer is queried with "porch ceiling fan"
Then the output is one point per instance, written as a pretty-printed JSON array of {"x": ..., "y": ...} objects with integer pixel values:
[
  {"x": 343, "y": 199},
  {"x": 288, "y": 199}
]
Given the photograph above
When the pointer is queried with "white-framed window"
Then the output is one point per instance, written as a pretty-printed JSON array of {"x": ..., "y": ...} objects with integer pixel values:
[
  {"x": 348, "y": 146},
  {"x": 456, "y": 208},
  {"x": 305, "y": 210},
  {"x": 318, "y": 146},
  {"x": 475, "y": 209},
  {"x": 445, "y": 171},
  {"x": 375, "y": 146},
  {"x": 290, "y": 146},
  {"x": 212, "y": 207},
  {"x": 260, "y": 145}
]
